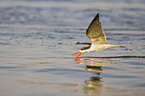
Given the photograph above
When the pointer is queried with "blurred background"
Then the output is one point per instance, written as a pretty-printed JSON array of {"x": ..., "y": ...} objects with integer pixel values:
[{"x": 37, "y": 38}]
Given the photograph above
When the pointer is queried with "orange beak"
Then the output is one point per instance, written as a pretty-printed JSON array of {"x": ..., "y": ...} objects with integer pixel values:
[{"x": 77, "y": 53}]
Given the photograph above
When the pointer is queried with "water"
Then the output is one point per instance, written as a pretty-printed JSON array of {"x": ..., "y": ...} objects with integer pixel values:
[{"x": 38, "y": 37}]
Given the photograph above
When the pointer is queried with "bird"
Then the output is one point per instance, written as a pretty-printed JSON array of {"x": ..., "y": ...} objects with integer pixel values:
[{"x": 97, "y": 37}]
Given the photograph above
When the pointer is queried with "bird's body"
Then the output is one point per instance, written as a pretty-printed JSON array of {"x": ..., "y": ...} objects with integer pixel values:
[
  {"x": 97, "y": 37},
  {"x": 98, "y": 47}
]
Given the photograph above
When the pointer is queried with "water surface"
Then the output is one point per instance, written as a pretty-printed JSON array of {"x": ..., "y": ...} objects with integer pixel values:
[{"x": 38, "y": 37}]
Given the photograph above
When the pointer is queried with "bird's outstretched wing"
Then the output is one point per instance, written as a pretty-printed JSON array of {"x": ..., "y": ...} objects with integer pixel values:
[{"x": 95, "y": 32}]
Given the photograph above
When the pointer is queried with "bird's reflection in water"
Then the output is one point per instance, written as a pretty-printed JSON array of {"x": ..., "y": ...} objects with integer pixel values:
[{"x": 95, "y": 84}]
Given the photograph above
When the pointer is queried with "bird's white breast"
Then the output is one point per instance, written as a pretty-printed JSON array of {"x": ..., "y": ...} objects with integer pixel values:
[{"x": 97, "y": 47}]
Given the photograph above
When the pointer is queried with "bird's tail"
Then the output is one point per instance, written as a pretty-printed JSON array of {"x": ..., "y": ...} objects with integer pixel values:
[
  {"x": 116, "y": 46},
  {"x": 122, "y": 47}
]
